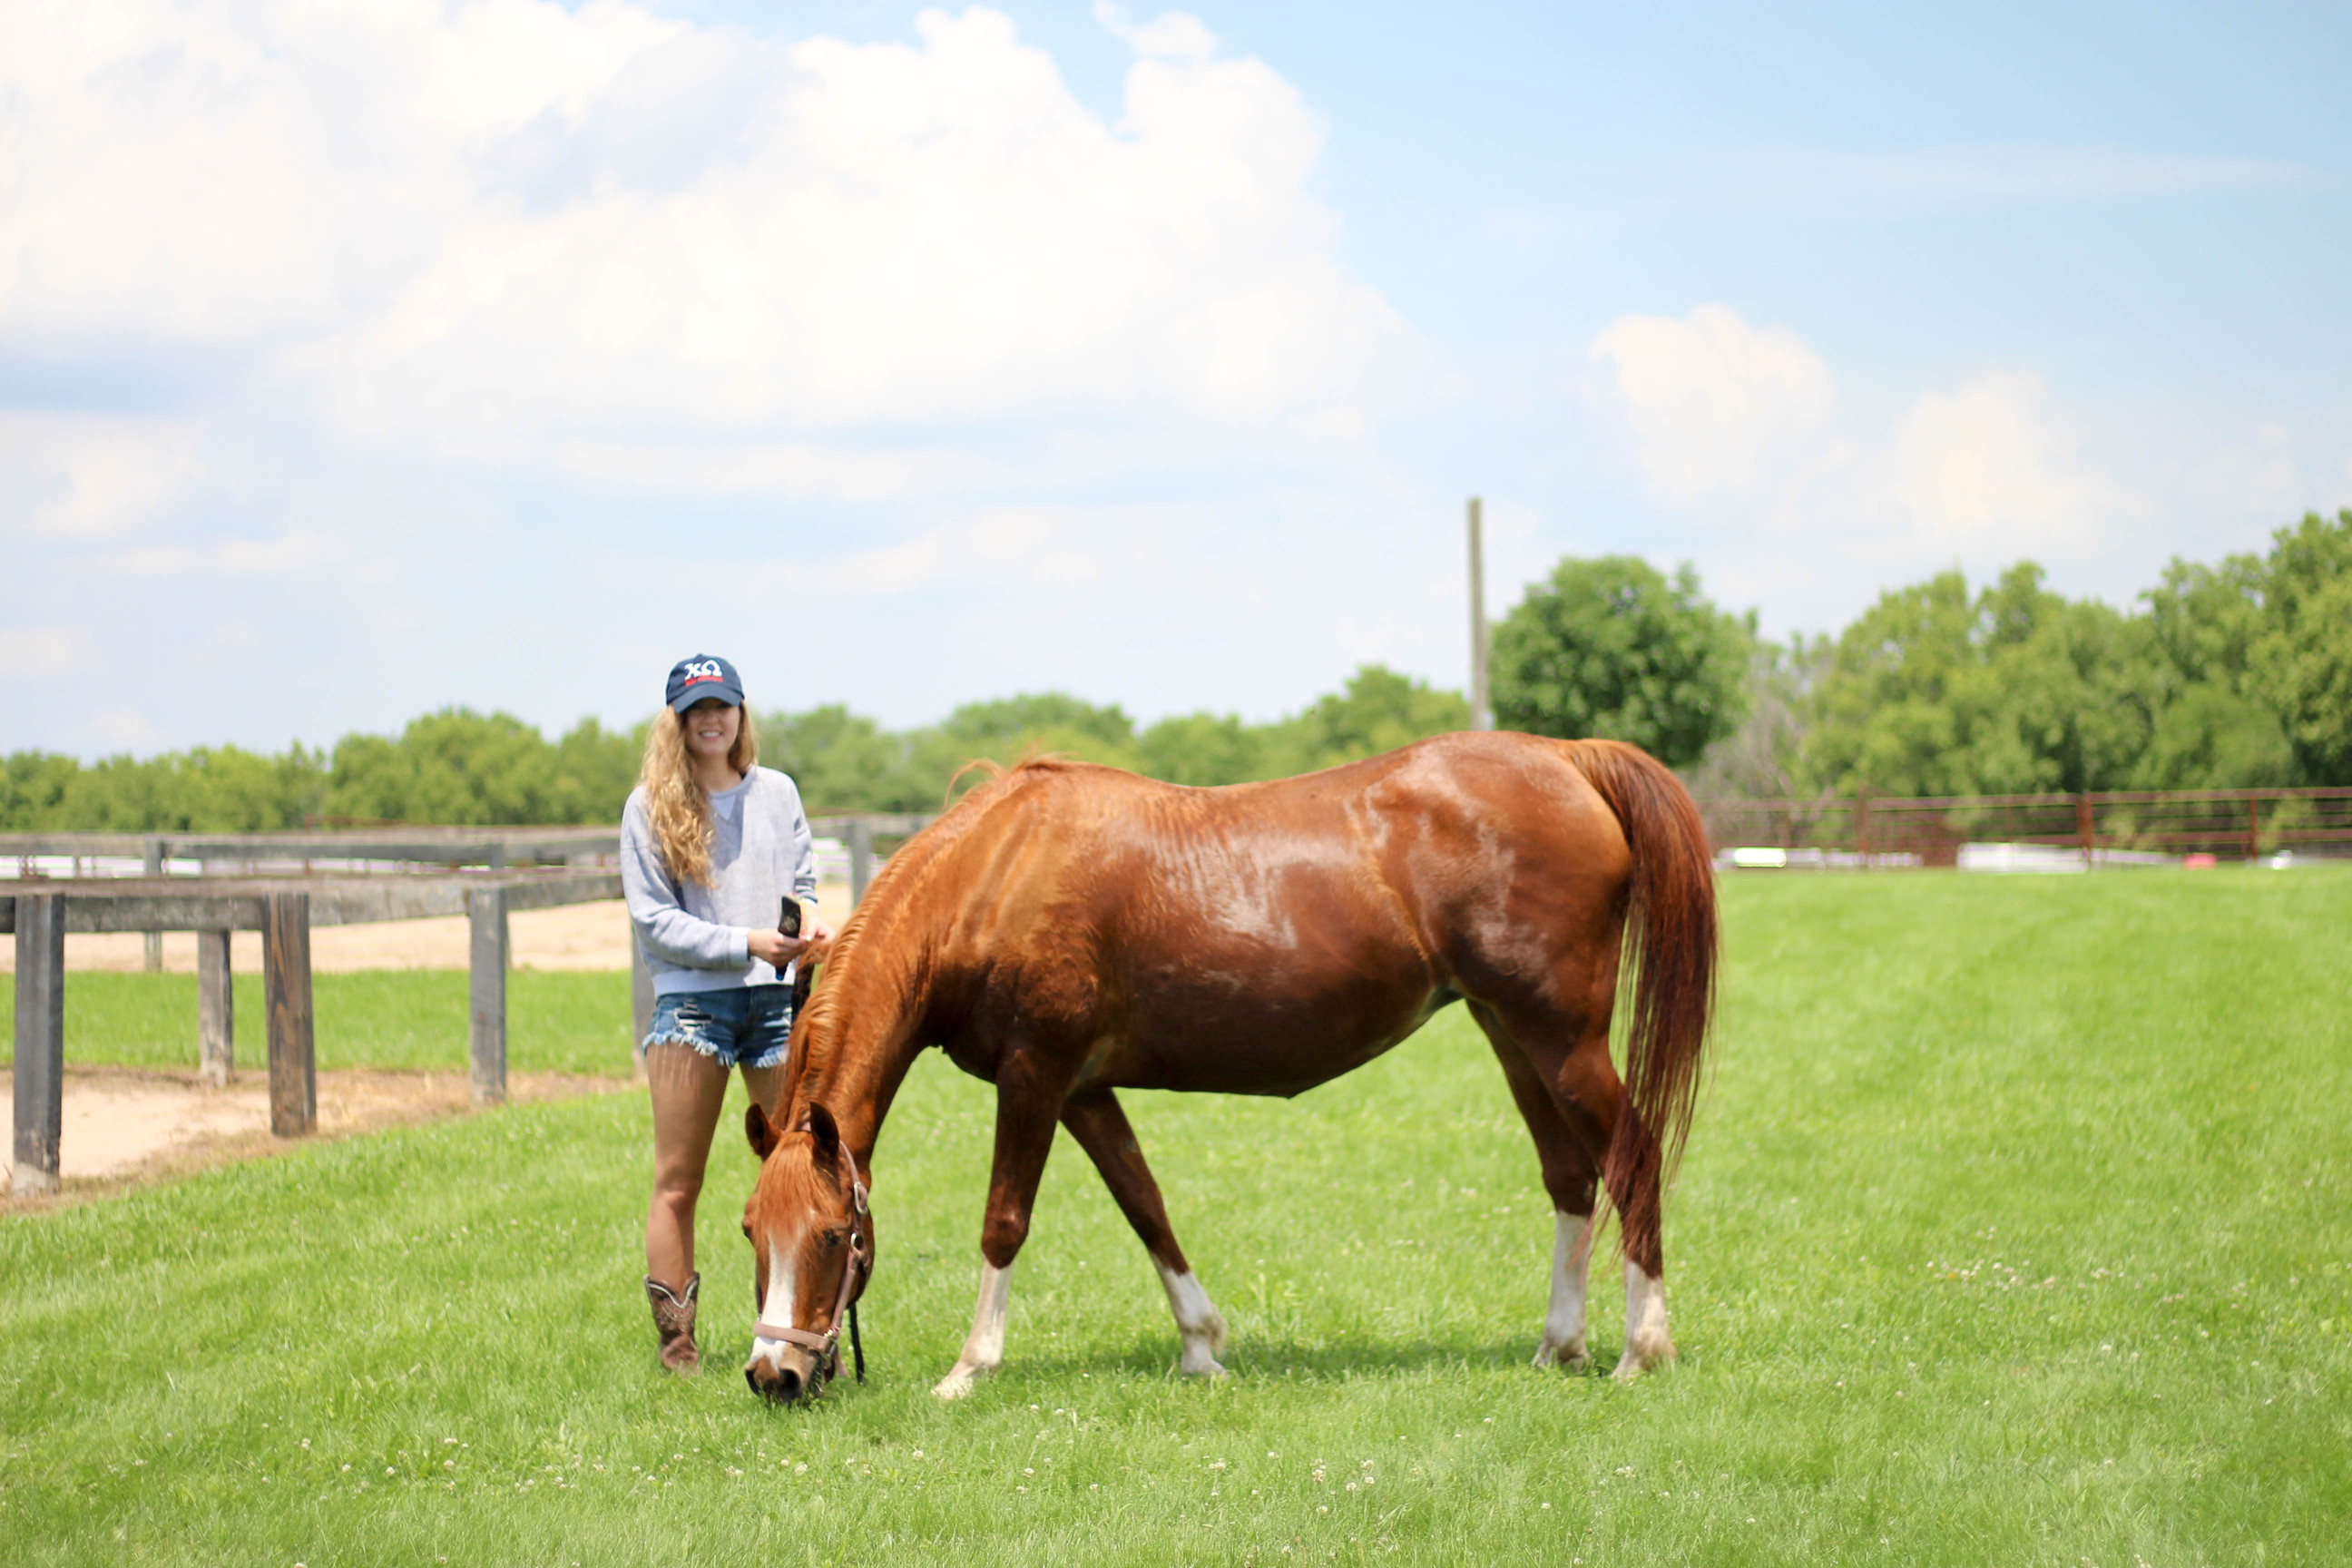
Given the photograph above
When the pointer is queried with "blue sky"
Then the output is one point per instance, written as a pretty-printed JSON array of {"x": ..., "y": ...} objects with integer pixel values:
[{"x": 355, "y": 362}]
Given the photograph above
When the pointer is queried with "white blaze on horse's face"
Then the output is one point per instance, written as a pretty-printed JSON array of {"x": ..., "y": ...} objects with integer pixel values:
[
  {"x": 777, "y": 1275},
  {"x": 803, "y": 1222}
]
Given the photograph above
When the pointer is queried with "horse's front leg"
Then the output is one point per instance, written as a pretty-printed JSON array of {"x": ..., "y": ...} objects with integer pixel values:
[
  {"x": 1025, "y": 1111},
  {"x": 1101, "y": 1129}
]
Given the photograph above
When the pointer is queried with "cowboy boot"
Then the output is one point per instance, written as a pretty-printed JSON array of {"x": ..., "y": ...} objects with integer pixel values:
[{"x": 673, "y": 1318}]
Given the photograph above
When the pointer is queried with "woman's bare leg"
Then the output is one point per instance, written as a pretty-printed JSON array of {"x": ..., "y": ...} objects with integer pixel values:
[{"x": 688, "y": 1089}]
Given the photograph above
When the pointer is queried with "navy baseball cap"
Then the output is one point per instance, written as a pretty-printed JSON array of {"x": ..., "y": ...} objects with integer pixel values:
[{"x": 704, "y": 675}]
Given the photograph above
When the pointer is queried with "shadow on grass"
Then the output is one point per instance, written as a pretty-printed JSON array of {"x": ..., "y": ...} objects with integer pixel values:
[{"x": 1293, "y": 1361}]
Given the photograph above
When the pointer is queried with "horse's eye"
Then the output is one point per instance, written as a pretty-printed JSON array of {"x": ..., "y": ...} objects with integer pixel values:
[{"x": 747, "y": 1230}]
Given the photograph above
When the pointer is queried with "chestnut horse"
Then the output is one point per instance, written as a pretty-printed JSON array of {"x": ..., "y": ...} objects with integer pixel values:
[{"x": 1067, "y": 930}]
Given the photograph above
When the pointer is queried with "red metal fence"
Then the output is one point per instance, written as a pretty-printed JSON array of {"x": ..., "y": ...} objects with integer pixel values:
[{"x": 2229, "y": 824}]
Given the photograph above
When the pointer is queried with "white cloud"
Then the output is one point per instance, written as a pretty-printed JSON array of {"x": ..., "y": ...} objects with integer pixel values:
[
  {"x": 83, "y": 476},
  {"x": 126, "y": 728},
  {"x": 2048, "y": 173},
  {"x": 1714, "y": 404},
  {"x": 1028, "y": 547},
  {"x": 1988, "y": 467},
  {"x": 507, "y": 229},
  {"x": 39, "y": 652},
  {"x": 290, "y": 551},
  {"x": 226, "y": 173},
  {"x": 229, "y": 636},
  {"x": 787, "y": 470},
  {"x": 1747, "y": 419}
]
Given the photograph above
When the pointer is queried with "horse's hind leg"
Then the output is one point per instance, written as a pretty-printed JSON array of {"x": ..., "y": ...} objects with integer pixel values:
[
  {"x": 1101, "y": 1128},
  {"x": 1570, "y": 1176},
  {"x": 1591, "y": 1100}
]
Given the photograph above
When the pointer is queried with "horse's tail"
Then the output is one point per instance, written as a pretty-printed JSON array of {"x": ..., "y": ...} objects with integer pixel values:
[{"x": 1669, "y": 957}]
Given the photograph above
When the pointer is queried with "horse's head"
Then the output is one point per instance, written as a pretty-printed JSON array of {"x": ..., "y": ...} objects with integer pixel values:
[{"x": 812, "y": 1246}]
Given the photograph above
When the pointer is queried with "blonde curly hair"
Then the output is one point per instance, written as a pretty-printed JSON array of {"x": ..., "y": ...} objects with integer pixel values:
[{"x": 677, "y": 805}]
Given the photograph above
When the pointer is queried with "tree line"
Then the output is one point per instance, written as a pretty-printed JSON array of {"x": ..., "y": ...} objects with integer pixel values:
[
  {"x": 2226, "y": 676},
  {"x": 472, "y": 769}
]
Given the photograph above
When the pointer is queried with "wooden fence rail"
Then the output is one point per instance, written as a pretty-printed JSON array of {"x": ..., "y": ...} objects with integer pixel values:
[
  {"x": 40, "y": 910},
  {"x": 40, "y": 914},
  {"x": 2229, "y": 824}
]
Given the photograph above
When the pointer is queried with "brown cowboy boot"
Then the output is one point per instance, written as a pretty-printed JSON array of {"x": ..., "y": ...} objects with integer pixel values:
[{"x": 674, "y": 1318}]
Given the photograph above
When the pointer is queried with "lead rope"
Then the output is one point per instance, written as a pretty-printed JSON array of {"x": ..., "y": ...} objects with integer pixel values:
[{"x": 858, "y": 1255}]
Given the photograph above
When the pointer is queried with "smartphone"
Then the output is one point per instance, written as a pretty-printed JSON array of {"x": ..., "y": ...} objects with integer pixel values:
[{"x": 788, "y": 920}]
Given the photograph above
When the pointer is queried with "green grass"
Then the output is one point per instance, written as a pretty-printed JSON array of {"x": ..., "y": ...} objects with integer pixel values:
[
  {"x": 2016, "y": 1228},
  {"x": 557, "y": 1020}
]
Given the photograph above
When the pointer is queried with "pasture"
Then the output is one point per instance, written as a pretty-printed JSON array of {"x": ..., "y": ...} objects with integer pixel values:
[{"x": 2016, "y": 1226}]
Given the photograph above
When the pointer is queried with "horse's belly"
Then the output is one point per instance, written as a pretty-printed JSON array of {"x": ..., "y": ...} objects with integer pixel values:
[{"x": 1220, "y": 1042}]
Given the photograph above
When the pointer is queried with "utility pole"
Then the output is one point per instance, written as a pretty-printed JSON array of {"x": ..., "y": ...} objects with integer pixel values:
[{"x": 1482, "y": 711}]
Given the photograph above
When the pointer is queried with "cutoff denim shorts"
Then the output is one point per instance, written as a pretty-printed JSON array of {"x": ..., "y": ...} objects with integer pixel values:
[{"x": 744, "y": 1025}]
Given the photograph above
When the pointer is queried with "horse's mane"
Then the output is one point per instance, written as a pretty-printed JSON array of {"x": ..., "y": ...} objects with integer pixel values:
[{"x": 896, "y": 883}]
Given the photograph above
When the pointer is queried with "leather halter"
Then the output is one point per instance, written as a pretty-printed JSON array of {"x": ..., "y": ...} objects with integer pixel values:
[{"x": 853, "y": 1273}]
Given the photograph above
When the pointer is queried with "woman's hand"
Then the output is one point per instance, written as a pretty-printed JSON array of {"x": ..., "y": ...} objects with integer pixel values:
[{"x": 775, "y": 948}]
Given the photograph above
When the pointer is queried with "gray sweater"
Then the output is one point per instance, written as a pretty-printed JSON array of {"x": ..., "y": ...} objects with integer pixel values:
[{"x": 694, "y": 938}]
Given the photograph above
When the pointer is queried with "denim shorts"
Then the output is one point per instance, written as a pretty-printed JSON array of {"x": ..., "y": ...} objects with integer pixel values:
[{"x": 744, "y": 1025}]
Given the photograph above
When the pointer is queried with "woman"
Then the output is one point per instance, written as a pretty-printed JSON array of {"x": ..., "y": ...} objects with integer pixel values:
[{"x": 711, "y": 847}]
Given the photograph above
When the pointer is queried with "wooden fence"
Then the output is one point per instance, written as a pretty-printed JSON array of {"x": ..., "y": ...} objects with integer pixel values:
[
  {"x": 2104, "y": 825},
  {"x": 282, "y": 885}
]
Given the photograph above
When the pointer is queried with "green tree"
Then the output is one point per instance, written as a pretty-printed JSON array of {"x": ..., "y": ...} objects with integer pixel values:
[
  {"x": 1764, "y": 758},
  {"x": 33, "y": 786},
  {"x": 1610, "y": 647},
  {"x": 1007, "y": 729},
  {"x": 594, "y": 770},
  {"x": 843, "y": 762},
  {"x": 2215, "y": 727},
  {"x": 1203, "y": 748},
  {"x": 1378, "y": 711},
  {"x": 2017, "y": 690},
  {"x": 455, "y": 766},
  {"x": 2305, "y": 654}
]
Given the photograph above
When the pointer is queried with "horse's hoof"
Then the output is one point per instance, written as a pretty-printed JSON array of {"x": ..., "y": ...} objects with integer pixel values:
[
  {"x": 1204, "y": 1367},
  {"x": 1634, "y": 1362},
  {"x": 1569, "y": 1357},
  {"x": 958, "y": 1382}
]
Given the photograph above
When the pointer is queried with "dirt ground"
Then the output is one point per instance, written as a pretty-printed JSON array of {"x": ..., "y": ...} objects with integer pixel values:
[
  {"x": 124, "y": 1126},
  {"x": 577, "y": 936}
]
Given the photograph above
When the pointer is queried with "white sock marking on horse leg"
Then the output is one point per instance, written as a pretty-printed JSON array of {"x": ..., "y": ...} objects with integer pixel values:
[
  {"x": 984, "y": 1350},
  {"x": 1198, "y": 1323},
  {"x": 1571, "y": 1262},
  {"x": 1646, "y": 1342}
]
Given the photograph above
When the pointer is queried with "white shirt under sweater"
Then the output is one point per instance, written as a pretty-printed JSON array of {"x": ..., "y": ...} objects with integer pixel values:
[{"x": 695, "y": 938}]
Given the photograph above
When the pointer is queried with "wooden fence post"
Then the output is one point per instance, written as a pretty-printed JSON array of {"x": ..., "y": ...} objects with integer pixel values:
[
  {"x": 486, "y": 916},
  {"x": 216, "y": 1009},
  {"x": 861, "y": 859},
  {"x": 293, "y": 1041},
  {"x": 40, "y": 1040},
  {"x": 2085, "y": 832},
  {"x": 154, "y": 866},
  {"x": 2253, "y": 828}
]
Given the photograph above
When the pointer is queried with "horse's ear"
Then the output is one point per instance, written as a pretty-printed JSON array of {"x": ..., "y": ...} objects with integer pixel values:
[
  {"x": 827, "y": 1134},
  {"x": 759, "y": 1130}
]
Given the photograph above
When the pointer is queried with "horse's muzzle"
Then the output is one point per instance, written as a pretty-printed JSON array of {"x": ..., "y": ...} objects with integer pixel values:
[{"x": 782, "y": 1377}]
